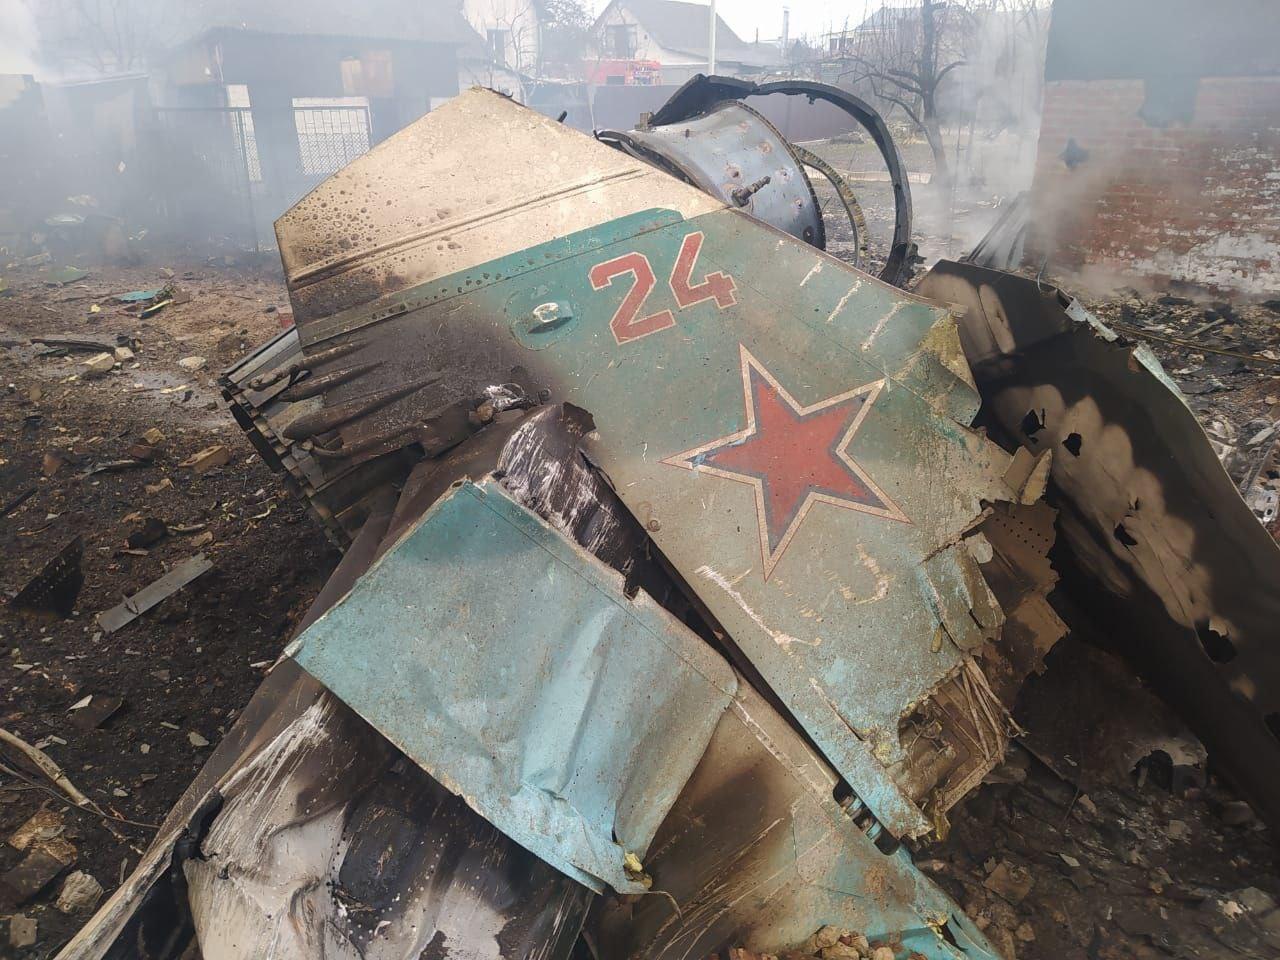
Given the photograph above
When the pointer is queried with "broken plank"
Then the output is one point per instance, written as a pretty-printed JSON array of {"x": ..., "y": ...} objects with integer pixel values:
[
  {"x": 133, "y": 607},
  {"x": 71, "y": 342}
]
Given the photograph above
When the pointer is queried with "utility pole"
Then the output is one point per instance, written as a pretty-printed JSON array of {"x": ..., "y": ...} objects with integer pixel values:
[{"x": 711, "y": 45}]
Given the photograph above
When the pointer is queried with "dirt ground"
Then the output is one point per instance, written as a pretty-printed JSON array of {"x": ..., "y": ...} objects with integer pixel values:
[
  {"x": 185, "y": 668},
  {"x": 1141, "y": 861}
]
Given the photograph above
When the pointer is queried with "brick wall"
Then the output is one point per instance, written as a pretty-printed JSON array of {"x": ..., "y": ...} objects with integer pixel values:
[{"x": 1192, "y": 198}]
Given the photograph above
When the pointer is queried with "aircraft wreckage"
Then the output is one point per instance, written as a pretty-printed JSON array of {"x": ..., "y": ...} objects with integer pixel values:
[{"x": 690, "y": 573}]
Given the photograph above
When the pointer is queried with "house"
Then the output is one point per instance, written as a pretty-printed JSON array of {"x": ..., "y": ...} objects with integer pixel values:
[
  {"x": 894, "y": 29},
  {"x": 396, "y": 55},
  {"x": 261, "y": 101},
  {"x": 1159, "y": 149},
  {"x": 666, "y": 41}
]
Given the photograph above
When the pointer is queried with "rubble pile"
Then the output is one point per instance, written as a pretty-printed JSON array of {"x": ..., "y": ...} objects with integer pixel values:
[
  {"x": 1046, "y": 870},
  {"x": 829, "y": 943},
  {"x": 1224, "y": 357}
]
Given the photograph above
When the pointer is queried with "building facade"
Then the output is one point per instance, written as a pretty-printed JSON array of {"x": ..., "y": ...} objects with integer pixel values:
[
  {"x": 667, "y": 42},
  {"x": 1159, "y": 152}
]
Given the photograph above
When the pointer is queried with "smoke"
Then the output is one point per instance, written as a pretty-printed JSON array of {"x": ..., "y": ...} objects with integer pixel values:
[
  {"x": 998, "y": 94},
  {"x": 989, "y": 107},
  {"x": 19, "y": 39}
]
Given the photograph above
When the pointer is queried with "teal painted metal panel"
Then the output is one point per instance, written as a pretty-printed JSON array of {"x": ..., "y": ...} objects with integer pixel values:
[
  {"x": 834, "y": 560},
  {"x": 507, "y": 662},
  {"x": 838, "y": 606}
]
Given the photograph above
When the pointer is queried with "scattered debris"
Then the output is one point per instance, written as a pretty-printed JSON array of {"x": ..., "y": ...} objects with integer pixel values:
[
  {"x": 146, "y": 598},
  {"x": 1013, "y": 882},
  {"x": 98, "y": 365},
  {"x": 79, "y": 342},
  {"x": 52, "y": 463},
  {"x": 65, "y": 275},
  {"x": 141, "y": 451},
  {"x": 151, "y": 531},
  {"x": 80, "y": 893},
  {"x": 44, "y": 830},
  {"x": 197, "y": 740},
  {"x": 22, "y": 931},
  {"x": 98, "y": 711},
  {"x": 44, "y": 763},
  {"x": 17, "y": 501},
  {"x": 55, "y": 588},
  {"x": 139, "y": 296},
  {"x": 30, "y": 877},
  {"x": 115, "y": 466},
  {"x": 207, "y": 459},
  {"x": 155, "y": 308},
  {"x": 829, "y": 943},
  {"x": 192, "y": 364}
]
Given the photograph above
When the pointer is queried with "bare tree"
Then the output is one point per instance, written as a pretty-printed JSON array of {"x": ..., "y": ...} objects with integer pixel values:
[
  {"x": 107, "y": 36},
  {"x": 566, "y": 25},
  {"x": 904, "y": 54},
  {"x": 513, "y": 42}
]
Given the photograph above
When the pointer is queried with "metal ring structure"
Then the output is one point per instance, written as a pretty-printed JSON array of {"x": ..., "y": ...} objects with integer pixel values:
[
  {"x": 721, "y": 150},
  {"x": 701, "y": 93},
  {"x": 857, "y": 220}
]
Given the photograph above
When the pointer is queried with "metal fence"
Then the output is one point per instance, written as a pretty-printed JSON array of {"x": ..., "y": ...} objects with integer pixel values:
[{"x": 224, "y": 174}]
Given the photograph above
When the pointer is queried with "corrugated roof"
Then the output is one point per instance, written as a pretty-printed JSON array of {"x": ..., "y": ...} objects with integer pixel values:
[{"x": 685, "y": 28}]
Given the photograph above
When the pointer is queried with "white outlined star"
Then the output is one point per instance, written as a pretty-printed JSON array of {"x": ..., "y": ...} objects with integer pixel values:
[{"x": 793, "y": 456}]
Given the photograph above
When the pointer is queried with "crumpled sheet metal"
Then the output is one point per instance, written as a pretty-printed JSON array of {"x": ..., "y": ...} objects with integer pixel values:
[
  {"x": 1179, "y": 570},
  {"x": 757, "y": 853},
  {"x": 412, "y": 870},
  {"x": 339, "y": 493},
  {"x": 297, "y": 865},
  {"x": 507, "y": 663},
  {"x": 851, "y": 640}
]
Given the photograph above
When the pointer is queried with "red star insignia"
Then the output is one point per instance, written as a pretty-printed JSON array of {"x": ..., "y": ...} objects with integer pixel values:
[{"x": 793, "y": 456}]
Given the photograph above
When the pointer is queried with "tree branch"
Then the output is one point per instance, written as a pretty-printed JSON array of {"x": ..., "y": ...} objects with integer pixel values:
[
  {"x": 947, "y": 69},
  {"x": 903, "y": 104}
]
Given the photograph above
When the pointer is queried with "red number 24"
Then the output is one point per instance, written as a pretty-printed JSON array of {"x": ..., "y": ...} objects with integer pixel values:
[{"x": 627, "y": 324}]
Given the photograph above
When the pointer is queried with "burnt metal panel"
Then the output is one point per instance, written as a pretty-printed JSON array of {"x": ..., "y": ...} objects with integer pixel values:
[
  {"x": 365, "y": 233},
  {"x": 1175, "y": 563},
  {"x": 758, "y": 853},
  {"x": 525, "y": 681},
  {"x": 701, "y": 93},
  {"x": 727, "y": 151}
]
